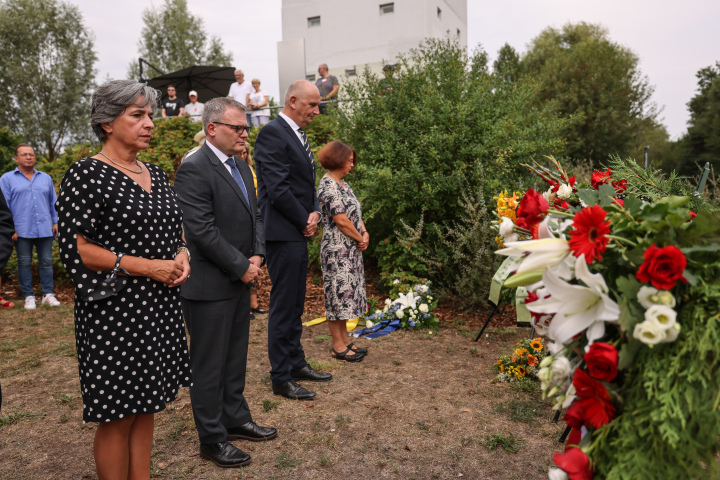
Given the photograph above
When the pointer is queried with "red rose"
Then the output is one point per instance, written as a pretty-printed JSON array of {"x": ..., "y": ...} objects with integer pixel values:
[
  {"x": 662, "y": 267},
  {"x": 594, "y": 399},
  {"x": 575, "y": 416},
  {"x": 575, "y": 463},
  {"x": 602, "y": 361},
  {"x": 598, "y": 178},
  {"x": 532, "y": 209}
]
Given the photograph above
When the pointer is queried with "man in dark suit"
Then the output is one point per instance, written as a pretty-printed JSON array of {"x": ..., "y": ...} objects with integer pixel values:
[
  {"x": 224, "y": 232},
  {"x": 7, "y": 230},
  {"x": 286, "y": 193}
]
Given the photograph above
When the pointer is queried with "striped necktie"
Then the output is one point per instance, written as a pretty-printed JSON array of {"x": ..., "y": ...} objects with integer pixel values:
[{"x": 306, "y": 144}]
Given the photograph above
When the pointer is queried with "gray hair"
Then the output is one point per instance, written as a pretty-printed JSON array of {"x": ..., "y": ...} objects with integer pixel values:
[
  {"x": 111, "y": 99},
  {"x": 215, "y": 109},
  {"x": 296, "y": 89}
]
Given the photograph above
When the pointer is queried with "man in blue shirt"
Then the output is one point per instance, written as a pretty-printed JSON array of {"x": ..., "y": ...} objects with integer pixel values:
[{"x": 30, "y": 194}]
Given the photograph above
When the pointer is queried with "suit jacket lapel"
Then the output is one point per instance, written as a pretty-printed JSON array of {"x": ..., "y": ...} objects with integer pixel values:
[
  {"x": 221, "y": 169},
  {"x": 289, "y": 131}
]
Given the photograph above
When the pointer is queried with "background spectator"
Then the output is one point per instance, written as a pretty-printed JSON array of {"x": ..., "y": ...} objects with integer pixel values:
[
  {"x": 194, "y": 108},
  {"x": 256, "y": 100},
  {"x": 31, "y": 197},
  {"x": 327, "y": 85},
  {"x": 172, "y": 106},
  {"x": 239, "y": 91}
]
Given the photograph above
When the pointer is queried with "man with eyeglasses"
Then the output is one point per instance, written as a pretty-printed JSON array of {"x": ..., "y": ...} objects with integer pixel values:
[
  {"x": 225, "y": 235},
  {"x": 172, "y": 106}
]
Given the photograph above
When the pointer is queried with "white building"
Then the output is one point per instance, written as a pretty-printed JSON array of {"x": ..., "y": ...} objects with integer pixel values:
[{"x": 349, "y": 34}]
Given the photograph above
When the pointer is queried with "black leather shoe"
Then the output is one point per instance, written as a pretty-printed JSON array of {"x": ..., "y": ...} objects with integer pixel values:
[
  {"x": 224, "y": 454},
  {"x": 310, "y": 374},
  {"x": 293, "y": 391},
  {"x": 251, "y": 431},
  {"x": 259, "y": 310}
]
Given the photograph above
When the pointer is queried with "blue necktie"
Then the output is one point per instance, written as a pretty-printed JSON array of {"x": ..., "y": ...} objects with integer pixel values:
[
  {"x": 236, "y": 175},
  {"x": 306, "y": 144}
]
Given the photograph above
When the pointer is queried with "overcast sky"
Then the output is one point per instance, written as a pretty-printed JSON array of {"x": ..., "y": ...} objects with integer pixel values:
[{"x": 673, "y": 38}]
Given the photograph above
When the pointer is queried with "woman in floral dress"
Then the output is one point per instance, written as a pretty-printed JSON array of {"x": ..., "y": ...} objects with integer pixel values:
[{"x": 343, "y": 241}]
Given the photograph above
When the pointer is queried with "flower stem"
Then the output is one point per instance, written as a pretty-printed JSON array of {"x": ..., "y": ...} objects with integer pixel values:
[
  {"x": 621, "y": 239},
  {"x": 561, "y": 213}
]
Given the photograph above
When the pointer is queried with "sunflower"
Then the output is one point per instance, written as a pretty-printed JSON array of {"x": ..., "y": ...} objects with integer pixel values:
[
  {"x": 532, "y": 361},
  {"x": 520, "y": 371},
  {"x": 536, "y": 345},
  {"x": 521, "y": 352}
]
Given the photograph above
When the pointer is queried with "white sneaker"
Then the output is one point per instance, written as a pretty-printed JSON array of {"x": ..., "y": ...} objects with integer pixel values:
[
  {"x": 49, "y": 299},
  {"x": 30, "y": 303}
]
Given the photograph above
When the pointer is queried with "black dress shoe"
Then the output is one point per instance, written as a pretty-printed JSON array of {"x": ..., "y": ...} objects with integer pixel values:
[
  {"x": 251, "y": 431},
  {"x": 224, "y": 454},
  {"x": 259, "y": 311},
  {"x": 310, "y": 374},
  {"x": 293, "y": 391}
]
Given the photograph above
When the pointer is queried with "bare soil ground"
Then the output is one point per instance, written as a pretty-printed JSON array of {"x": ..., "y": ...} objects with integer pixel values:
[{"x": 420, "y": 406}]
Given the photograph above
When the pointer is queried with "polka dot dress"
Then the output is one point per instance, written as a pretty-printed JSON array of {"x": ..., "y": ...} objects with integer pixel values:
[{"x": 131, "y": 346}]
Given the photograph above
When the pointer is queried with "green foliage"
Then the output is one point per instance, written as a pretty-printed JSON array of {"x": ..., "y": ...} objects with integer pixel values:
[
  {"x": 56, "y": 169},
  {"x": 508, "y": 443},
  {"x": 653, "y": 184},
  {"x": 269, "y": 405},
  {"x": 171, "y": 139},
  {"x": 285, "y": 460},
  {"x": 173, "y": 38},
  {"x": 507, "y": 66},
  {"x": 702, "y": 142},
  {"x": 46, "y": 72},
  {"x": 8, "y": 142},
  {"x": 445, "y": 123},
  {"x": 595, "y": 82}
]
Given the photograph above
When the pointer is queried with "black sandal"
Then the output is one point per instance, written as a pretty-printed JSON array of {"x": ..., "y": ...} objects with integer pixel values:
[
  {"x": 259, "y": 310},
  {"x": 348, "y": 358},
  {"x": 357, "y": 349}
]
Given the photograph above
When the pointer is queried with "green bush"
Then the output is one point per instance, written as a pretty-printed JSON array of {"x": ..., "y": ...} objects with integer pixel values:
[
  {"x": 8, "y": 142},
  {"x": 440, "y": 123},
  {"x": 171, "y": 140}
]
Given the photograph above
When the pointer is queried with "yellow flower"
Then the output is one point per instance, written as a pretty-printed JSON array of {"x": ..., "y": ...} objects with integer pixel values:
[
  {"x": 536, "y": 344},
  {"x": 520, "y": 371},
  {"x": 502, "y": 368},
  {"x": 521, "y": 352}
]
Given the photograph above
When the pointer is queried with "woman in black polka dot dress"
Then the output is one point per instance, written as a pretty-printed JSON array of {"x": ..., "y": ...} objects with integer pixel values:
[{"x": 121, "y": 242}]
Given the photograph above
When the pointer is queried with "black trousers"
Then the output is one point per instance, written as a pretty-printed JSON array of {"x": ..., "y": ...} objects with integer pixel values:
[
  {"x": 219, "y": 333},
  {"x": 287, "y": 265}
]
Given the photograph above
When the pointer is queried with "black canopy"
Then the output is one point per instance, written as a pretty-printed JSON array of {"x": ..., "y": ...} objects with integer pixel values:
[{"x": 208, "y": 82}]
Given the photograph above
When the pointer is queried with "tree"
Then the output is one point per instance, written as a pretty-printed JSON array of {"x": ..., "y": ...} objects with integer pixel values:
[
  {"x": 172, "y": 38},
  {"x": 8, "y": 142},
  {"x": 595, "y": 82},
  {"x": 46, "y": 73},
  {"x": 507, "y": 65},
  {"x": 446, "y": 131},
  {"x": 701, "y": 143}
]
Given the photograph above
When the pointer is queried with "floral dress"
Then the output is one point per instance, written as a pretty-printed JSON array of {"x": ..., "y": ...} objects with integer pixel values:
[
  {"x": 131, "y": 346},
  {"x": 342, "y": 264}
]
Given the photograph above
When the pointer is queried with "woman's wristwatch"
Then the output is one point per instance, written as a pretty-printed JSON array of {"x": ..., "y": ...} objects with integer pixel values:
[{"x": 183, "y": 249}]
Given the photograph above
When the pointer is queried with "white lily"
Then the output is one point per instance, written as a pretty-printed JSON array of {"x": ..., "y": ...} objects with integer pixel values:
[
  {"x": 407, "y": 301},
  {"x": 543, "y": 253},
  {"x": 577, "y": 307}
]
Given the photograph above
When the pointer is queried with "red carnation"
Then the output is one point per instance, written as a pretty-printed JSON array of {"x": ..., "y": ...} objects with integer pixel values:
[
  {"x": 619, "y": 201},
  {"x": 594, "y": 399},
  {"x": 589, "y": 236},
  {"x": 598, "y": 178},
  {"x": 575, "y": 463},
  {"x": 602, "y": 361},
  {"x": 662, "y": 267},
  {"x": 620, "y": 186},
  {"x": 532, "y": 209},
  {"x": 575, "y": 416}
]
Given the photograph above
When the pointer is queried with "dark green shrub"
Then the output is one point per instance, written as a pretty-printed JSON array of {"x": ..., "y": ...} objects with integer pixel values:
[{"x": 442, "y": 124}]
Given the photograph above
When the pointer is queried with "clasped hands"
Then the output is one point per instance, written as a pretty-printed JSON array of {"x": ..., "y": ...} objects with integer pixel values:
[
  {"x": 312, "y": 223},
  {"x": 172, "y": 273},
  {"x": 253, "y": 270}
]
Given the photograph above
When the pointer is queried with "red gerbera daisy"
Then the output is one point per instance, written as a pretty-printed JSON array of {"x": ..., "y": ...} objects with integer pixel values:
[{"x": 589, "y": 234}]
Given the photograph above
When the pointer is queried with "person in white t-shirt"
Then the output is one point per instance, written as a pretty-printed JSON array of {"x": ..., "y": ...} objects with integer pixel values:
[
  {"x": 194, "y": 108},
  {"x": 256, "y": 101},
  {"x": 239, "y": 91}
]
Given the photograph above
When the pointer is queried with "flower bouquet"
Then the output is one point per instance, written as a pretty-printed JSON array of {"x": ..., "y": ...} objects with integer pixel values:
[
  {"x": 524, "y": 362},
  {"x": 412, "y": 306},
  {"x": 628, "y": 293}
]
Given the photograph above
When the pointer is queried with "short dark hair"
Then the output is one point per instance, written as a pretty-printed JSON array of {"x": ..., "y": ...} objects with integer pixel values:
[
  {"x": 171, "y": 85},
  {"x": 17, "y": 149},
  {"x": 334, "y": 155}
]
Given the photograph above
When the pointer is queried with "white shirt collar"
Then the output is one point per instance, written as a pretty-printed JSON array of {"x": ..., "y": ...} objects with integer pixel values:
[
  {"x": 290, "y": 121},
  {"x": 220, "y": 155}
]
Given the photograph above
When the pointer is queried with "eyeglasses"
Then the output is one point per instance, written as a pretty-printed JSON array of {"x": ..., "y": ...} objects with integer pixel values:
[{"x": 237, "y": 128}]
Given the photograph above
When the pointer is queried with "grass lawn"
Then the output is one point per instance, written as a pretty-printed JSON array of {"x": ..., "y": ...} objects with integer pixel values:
[{"x": 419, "y": 406}]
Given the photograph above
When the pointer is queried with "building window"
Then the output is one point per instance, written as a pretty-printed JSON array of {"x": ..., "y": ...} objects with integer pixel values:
[
  {"x": 386, "y": 8},
  {"x": 350, "y": 72},
  {"x": 313, "y": 22},
  {"x": 439, "y": 13},
  {"x": 310, "y": 78}
]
